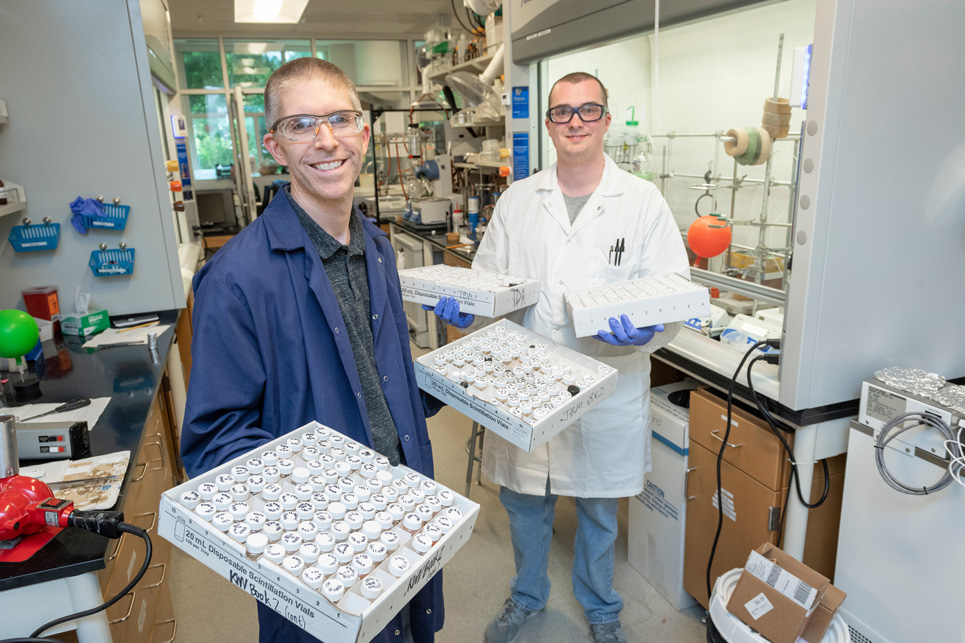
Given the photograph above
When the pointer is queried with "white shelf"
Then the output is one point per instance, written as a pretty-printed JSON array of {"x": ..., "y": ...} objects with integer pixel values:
[
  {"x": 473, "y": 121},
  {"x": 476, "y": 65},
  {"x": 16, "y": 198}
]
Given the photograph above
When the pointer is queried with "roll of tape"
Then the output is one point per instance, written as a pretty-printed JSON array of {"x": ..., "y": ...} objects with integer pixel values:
[
  {"x": 778, "y": 120},
  {"x": 753, "y": 147},
  {"x": 764, "y": 150},
  {"x": 738, "y": 146},
  {"x": 776, "y": 131},
  {"x": 777, "y": 106}
]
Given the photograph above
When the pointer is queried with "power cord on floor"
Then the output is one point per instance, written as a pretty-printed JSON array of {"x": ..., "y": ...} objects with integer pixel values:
[{"x": 111, "y": 525}]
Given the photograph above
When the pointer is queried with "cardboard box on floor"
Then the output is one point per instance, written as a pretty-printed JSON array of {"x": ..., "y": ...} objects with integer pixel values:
[{"x": 777, "y": 616}]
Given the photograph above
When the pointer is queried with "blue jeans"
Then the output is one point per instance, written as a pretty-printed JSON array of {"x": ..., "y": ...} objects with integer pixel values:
[{"x": 531, "y": 527}]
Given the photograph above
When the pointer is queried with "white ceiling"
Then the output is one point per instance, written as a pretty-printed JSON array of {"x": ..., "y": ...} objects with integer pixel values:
[{"x": 327, "y": 19}]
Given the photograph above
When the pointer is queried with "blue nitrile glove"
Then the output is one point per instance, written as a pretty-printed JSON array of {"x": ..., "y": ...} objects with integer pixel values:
[
  {"x": 85, "y": 207},
  {"x": 624, "y": 333},
  {"x": 447, "y": 309}
]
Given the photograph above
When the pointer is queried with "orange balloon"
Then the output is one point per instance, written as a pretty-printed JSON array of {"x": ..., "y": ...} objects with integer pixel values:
[{"x": 708, "y": 236}]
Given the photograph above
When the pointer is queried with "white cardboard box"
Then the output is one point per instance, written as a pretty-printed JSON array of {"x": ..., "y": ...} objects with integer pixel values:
[
  {"x": 657, "y": 517},
  {"x": 478, "y": 292},
  {"x": 658, "y": 299},
  {"x": 596, "y": 381},
  {"x": 355, "y": 619}
]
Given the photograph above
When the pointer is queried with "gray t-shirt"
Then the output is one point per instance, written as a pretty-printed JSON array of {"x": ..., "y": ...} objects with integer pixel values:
[
  {"x": 345, "y": 266},
  {"x": 574, "y": 204}
]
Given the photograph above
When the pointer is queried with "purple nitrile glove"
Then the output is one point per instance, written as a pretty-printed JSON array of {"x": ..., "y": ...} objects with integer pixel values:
[
  {"x": 447, "y": 309},
  {"x": 624, "y": 333}
]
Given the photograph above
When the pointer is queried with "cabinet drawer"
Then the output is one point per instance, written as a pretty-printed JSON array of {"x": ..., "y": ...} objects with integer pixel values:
[
  {"x": 748, "y": 507},
  {"x": 751, "y": 447}
]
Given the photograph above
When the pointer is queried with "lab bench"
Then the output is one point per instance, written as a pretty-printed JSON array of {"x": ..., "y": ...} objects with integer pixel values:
[{"x": 78, "y": 569}]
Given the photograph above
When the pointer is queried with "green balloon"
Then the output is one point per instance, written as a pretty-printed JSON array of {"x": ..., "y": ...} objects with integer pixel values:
[{"x": 18, "y": 333}]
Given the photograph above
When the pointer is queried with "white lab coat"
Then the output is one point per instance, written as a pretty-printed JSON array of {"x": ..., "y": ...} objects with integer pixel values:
[{"x": 607, "y": 451}]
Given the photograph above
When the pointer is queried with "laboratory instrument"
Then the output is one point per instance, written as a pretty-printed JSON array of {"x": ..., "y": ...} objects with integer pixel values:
[{"x": 657, "y": 299}]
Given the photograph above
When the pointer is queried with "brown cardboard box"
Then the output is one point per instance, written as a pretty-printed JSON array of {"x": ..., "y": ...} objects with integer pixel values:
[{"x": 776, "y": 616}]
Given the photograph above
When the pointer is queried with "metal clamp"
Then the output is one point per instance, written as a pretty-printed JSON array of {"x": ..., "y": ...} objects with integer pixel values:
[
  {"x": 717, "y": 437},
  {"x": 130, "y": 608},
  {"x": 687, "y": 483},
  {"x": 143, "y": 473},
  {"x": 174, "y": 630},
  {"x": 164, "y": 568}
]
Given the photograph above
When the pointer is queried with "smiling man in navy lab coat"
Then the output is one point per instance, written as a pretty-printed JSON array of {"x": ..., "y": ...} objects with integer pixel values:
[{"x": 300, "y": 317}]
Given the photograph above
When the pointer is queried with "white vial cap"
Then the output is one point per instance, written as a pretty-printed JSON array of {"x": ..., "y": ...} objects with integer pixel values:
[
  {"x": 275, "y": 553},
  {"x": 289, "y": 520},
  {"x": 396, "y": 511},
  {"x": 446, "y": 496},
  {"x": 238, "y": 492},
  {"x": 256, "y": 484},
  {"x": 350, "y": 500},
  {"x": 333, "y": 589},
  {"x": 368, "y": 469},
  {"x": 347, "y": 575},
  {"x": 327, "y": 563},
  {"x": 323, "y": 520},
  {"x": 337, "y": 509},
  {"x": 343, "y": 468},
  {"x": 307, "y": 530},
  {"x": 433, "y": 503},
  {"x": 313, "y": 577},
  {"x": 367, "y": 509},
  {"x": 270, "y": 458},
  {"x": 238, "y": 510},
  {"x": 305, "y": 510},
  {"x": 288, "y": 501},
  {"x": 317, "y": 482},
  {"x": 362, "y": 492},
  {"x": 303, "y": 492},
  {"x": 272, "y": 510},
  {"x": 424, "y": 512},
  {"x": 376, "y": 551},
  {"x": 353, "y": 461},
  {"x": 445, "y": 524},
  {"x": 379, "y": 501},
  {"x": 338, "y": 453},
  {"x": 407, "y": 502},
  {"x": 433, "y": 531},
  {"x": 190, "y": 499},
  {"x": 294, "y": 565},
  {"x": 239, "y": 473},
  {"x": 224, "y": 482},
  {"x": 294, "y": 444},
  {"x": 398, "y": 565},
  {"x": 222, "y": 521},
  {"x": 284, "y": 451},
  {"x": 382, "y": 463},
  {"x": 309, "y": 552},
  {"x": 300, "y": 475},
  {"x": 344, "y": 552},
  {"x": 412, "y": 523},
  {"x": 322, "y": 432},
  {"x": 239, "y": 531},
  {"x": 362, "y": 564},
  {"x": 422, "y": 543},
  {"x": 291, "y": 541},
  {"x": 371, "y": 529},
  {"x": 221, "y": 501},
  {"x": 256, "y": 543},
  {"x": 391, "y": 494},
  {"x": 271, "y": 492},
  {"x": 256, "y": 520},
  {"x": 354, "y": 520},
  {"x": 309, "y": 438},
  {"x": 310, "y": 454},
  {"x": 428, "y": 487},
  {"x": 371, "y": 587},
  {"x": 340, "y": 530},
  {"x": 273, "y": 530},
  {"x": 255, "y": 466},
  {"x": 286, "y": 466},
  {"x": 271, "y": 474},
  {"x": 367, "y": 455},
  {"x": 358, "y": 541},
  {"x": 384, "y": 520},
  {"x": 319, "y": 501},
  {"x": 390, "y": 539},
  {"x": 333, "y": 492},
  {"x": 325, "y": 541}
]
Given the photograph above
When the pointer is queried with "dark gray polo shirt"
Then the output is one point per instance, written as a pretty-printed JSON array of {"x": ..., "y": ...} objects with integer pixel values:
[{"x": 345, "y": 266}]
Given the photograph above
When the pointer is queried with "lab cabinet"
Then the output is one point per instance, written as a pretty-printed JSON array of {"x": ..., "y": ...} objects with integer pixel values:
[
  {"x": 82, "y": 122},
  {"x": 411, "y": 251}
]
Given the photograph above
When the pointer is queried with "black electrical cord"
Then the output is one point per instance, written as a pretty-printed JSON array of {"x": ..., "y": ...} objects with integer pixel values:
[
  {"x": 795, "y": 478},
  {"x": 720, "y": 459},
  {"x": 458, "y": 19},
  {"x": 111, "y": 525}
]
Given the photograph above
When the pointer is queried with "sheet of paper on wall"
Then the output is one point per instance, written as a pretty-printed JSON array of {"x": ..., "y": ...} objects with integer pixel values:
[
  {"x": 113, "y": 336},
  {"x": 89, "y": 414},
  {"x": 91, "y": 483}
]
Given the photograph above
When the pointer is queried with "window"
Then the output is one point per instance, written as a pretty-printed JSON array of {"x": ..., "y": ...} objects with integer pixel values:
[
  {"x": 199, "y": 64},
  {"x": 251, "y": 63},
  {"x": 369, "y": 63},
  {"x": 210, "y": 132}
]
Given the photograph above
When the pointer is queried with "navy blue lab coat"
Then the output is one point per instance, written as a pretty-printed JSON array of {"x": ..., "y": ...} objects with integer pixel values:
[{"x": 270, "y": 354}]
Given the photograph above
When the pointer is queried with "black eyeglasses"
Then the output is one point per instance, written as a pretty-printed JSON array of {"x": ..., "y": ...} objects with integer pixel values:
[{"x": 589, "y": 112}]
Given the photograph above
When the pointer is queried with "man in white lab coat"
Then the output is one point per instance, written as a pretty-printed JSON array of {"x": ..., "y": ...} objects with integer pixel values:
[{"x": 559, "y": 226}]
